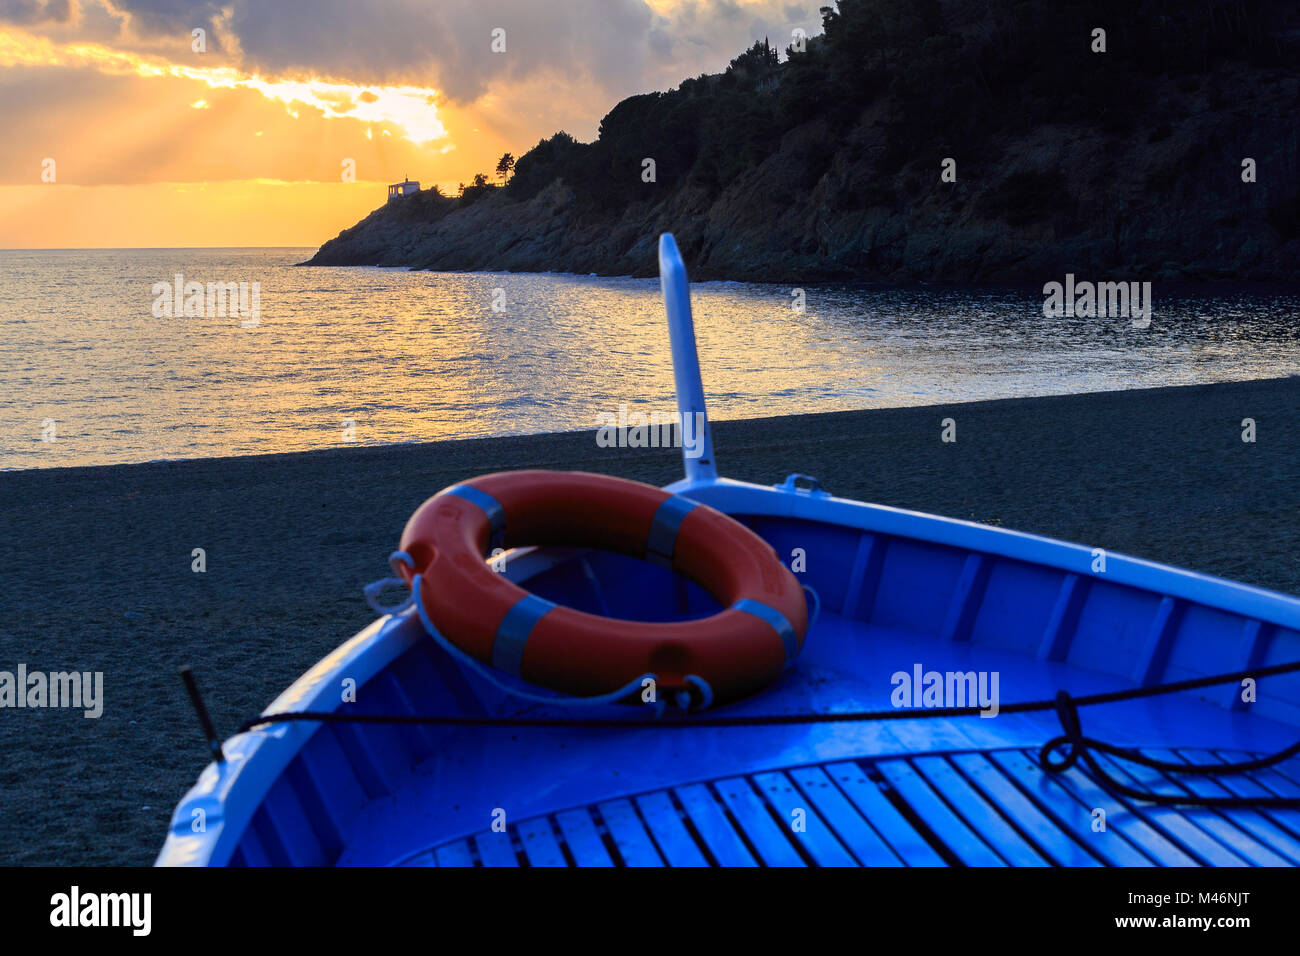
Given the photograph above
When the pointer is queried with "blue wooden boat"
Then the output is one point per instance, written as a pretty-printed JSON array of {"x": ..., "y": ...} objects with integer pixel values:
[{"x": 800, "y": 773}]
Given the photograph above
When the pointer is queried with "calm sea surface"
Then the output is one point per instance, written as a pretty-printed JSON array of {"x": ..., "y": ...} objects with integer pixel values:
[{"x": 413, "y": 356}]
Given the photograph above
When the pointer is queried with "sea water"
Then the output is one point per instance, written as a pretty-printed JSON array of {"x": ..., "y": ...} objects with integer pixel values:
[{"x": 93, "y": 372}]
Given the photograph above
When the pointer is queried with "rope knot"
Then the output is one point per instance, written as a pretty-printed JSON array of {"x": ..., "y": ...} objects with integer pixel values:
[{"x": 1068, "y": 714}]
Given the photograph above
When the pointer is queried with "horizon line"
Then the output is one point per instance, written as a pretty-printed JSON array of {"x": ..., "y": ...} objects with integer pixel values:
[{"x": 141, "y": 248}]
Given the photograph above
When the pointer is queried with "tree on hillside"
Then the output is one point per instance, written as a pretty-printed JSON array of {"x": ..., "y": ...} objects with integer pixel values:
[
  {"x": 549, "y": 160},
  {"x": 480, "y": 180},
  {"x": 933, "y": 73},
  {"x": 758, "y": 61},
  {"x": 504, "y": 167}
]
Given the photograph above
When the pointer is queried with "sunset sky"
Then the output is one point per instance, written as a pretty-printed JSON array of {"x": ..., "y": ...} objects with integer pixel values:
[{"x": 152, "y": 137}]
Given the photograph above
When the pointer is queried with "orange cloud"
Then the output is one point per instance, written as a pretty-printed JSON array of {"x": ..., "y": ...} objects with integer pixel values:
[
  {"x": 258, "y": 130},
  {"x": 411, "y": 109}
]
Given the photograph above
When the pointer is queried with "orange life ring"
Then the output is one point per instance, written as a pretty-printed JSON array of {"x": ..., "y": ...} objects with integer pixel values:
[{"x": 737, "y": 651}]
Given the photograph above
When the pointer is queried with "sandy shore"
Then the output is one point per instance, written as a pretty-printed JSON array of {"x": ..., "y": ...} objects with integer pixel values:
[{"x": 95, "y": 563}]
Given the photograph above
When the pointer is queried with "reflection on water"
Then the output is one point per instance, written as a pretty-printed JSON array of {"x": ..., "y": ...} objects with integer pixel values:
[{"x": 417, "y": 355}]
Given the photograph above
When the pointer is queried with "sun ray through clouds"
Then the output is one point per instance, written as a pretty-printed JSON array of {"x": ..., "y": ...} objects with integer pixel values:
[{"x": 411, "y": 109}]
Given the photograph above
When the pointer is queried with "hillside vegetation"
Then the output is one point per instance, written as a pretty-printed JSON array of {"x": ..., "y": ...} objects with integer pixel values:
[{"x": 828, "y": 162}]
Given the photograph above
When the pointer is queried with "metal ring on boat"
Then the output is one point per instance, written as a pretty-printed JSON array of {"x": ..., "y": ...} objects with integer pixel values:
[{"x": 738, "y": 650}]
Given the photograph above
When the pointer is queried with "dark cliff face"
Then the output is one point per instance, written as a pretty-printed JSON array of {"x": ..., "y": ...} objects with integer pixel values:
[{"x": 1126, "y": 163}]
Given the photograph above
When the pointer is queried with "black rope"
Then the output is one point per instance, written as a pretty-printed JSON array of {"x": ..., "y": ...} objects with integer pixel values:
[
  {"x": 205, "y": 721},
  {"x": 1066, "y": 708},
  {"x": 1081, "y": 748}
]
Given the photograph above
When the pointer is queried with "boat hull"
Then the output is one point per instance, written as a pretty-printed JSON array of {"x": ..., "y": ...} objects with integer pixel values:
[{"x": 901, "y": 593}]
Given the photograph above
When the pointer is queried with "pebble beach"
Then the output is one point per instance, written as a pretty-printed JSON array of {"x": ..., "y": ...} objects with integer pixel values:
[{"x": 97, "y": 564}]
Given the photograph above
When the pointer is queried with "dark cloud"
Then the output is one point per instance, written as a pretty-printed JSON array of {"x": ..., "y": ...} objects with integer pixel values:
[
  {"x": 28, "y": 12},
  {"x": 448, "y": 44},
  {"x": 616, "y": 45},
  {"x": 153, "y": 17}
]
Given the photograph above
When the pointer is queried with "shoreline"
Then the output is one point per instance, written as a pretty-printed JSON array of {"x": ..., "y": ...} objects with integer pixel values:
[
  {"x": 1191, "y": 283},
  {"x": 726, "y": 424},
  {"x": 96, "y": 562}
]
